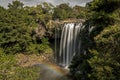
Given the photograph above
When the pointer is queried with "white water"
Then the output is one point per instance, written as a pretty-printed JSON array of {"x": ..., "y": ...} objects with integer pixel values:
[{"x": 70, "y": 43}]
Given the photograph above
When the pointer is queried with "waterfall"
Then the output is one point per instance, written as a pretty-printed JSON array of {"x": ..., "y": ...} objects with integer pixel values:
[{"x": 69, "y": 43}]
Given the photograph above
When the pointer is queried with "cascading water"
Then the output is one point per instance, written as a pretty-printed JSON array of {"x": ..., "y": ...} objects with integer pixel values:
[{"x": 69, "y": 43}]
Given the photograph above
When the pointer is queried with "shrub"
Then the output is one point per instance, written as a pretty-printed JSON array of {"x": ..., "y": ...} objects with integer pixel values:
[{"x": 9, "y": 70}]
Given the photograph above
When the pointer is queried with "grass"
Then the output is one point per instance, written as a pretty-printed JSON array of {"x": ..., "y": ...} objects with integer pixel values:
[{"x": 10, "y": 70}]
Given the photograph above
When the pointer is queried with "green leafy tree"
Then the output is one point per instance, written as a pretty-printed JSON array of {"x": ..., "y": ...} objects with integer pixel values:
[
  {"x": 42, "y": 13},
  {"x": 14, "y": 34},
  {"x": 105, "y": 62},
  {"x": 18, "y": 24},
  {"x": 15, "y": 5},
  {"x": 62, "y": 11},
  {"x": 15, "y": 30},
  {"x": 79, "y": 12},
  {"x": 104, "y": 18}
]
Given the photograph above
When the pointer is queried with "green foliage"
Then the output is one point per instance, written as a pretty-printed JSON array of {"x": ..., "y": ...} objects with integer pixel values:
[
  {"x": 64, "y": 11},
  {"x": 103, "y": 54},
  {"x": 109, "y": 37},
  {"x": 27, "y": 73},
  {"x": 42, "y": 13},
  {"x": 17, "y": 26},
  {"x": 101, "y": 14},
  {"x": 108, "y": 43},
  {"x": 44, "y": 46},
  {"x": 80, "y": 71},
  {"x": 14, "y": 31},
  {"x": 7, "y": 64},
  {"x": 104, "y": 5},
  {"x": 103, "y": 66},
  {"x": 9, "y": 70},
  {"x": 2, "y": 9},
  {"x": 15, "y": 5},
  {"x": 79, "y": 12}
]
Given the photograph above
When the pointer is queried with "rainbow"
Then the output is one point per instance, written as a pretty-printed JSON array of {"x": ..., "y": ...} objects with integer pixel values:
[{"x": 52, "y": 72}]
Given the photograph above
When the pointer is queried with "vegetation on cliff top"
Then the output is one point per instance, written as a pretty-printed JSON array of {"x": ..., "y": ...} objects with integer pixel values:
[{"x": 18, "y": 25}]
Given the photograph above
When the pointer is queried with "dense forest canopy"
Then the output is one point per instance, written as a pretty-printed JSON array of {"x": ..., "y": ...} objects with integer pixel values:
[{"x": 18, "y": 23}]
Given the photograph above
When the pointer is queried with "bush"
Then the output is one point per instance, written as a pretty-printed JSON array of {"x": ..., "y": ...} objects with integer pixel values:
[
  {"x": 7, "y": 64},
  {"x": 42, "y": 47},
  {"x": 27, "y": 73},
  {"x": 9, "y": 70}
]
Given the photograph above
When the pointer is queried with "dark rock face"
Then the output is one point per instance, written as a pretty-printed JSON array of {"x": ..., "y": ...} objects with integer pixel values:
[{"x": 53, "y": 27}]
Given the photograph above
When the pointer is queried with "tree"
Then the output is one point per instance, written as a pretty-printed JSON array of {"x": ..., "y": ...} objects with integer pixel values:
[
  {"x": 42, "y": 13},
  {"x": 15, "y": 29},
  {"x": 14, "y": 33},
  {"x": 62, "y": 11},
  {"x": 105, "y": 62},
  {"x": 15, "y": 5},
  {"x": 103, "y": 54},
  {"x": 101, "y": 13},
  {"x": 79, "y": 12}
]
